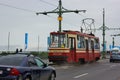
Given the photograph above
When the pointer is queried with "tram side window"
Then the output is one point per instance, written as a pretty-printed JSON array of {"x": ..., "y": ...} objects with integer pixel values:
[
  {"x": 97, "y": 44},
  {"x": 81, "y": 43}
]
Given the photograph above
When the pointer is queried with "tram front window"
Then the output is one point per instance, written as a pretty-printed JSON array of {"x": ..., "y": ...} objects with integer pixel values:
[{"x": 58, "y": 41}]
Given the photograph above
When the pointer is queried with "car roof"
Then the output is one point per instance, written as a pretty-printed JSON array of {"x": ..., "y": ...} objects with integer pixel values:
[
  {"x": 115, "y": 48},
  {"x": 14, "y": 55},
  {"x": 12, "y": 59}
]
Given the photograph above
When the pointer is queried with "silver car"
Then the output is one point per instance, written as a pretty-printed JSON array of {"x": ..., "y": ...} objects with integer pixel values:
[{"x": 114, "y": 56}]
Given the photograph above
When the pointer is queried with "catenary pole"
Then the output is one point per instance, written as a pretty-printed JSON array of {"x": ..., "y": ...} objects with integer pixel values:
[
  {"x": 60, "y": 10},
  {"x": 8, "y": 42}
]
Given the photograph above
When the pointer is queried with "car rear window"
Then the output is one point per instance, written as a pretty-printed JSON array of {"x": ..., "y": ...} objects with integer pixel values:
[{"x": 13, "y": 60}]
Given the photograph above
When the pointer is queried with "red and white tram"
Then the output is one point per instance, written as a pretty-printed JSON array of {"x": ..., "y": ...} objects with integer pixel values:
[{"x": 73, "y": 46}]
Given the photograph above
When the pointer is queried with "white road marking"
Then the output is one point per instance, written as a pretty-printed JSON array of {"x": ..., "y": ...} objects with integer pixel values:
[
  {"x": 63, "y": 67},
  {"x": 80, "y": 75},
  {"x": 113, "y": 66}
]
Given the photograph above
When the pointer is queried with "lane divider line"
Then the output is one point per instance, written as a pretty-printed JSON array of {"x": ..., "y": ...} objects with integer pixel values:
[
  {"x": 81, "y": 75},
  {"x": 113, "y": 66}
]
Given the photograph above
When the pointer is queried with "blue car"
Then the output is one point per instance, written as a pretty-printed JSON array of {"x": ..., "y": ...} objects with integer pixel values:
[
  {"x": 25, "y": 67},
  {"x": 115, "y": 55}
]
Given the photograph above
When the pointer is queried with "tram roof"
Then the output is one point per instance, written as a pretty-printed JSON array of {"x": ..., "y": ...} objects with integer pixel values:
[{"x": 75, "y": 32}]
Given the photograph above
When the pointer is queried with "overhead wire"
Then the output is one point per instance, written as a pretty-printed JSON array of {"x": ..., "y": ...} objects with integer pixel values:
[
  {"x": 3, "y": 4},
  {"x": 27, "y": 10},
  {"x": 65, "y": 22},
  {"x": 48, "y": 3}
]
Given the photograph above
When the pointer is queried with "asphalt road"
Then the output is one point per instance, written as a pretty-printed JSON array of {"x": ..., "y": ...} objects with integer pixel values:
[{"x": 101, "y": 70}]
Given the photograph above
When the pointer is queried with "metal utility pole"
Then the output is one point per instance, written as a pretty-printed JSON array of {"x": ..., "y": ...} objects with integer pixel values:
[
  {"x": 113, "y": 43},
  {"x": 60, "y": 10},
  {"x": 104, "y": 28},
  {"x": 103, "y": 33},
  {"x": 8, "y": 42}
]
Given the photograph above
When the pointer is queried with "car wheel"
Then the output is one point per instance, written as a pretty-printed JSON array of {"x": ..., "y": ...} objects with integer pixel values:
[
  {"x": 52, "y": 77},
  {"x": 111, "y": 60}
]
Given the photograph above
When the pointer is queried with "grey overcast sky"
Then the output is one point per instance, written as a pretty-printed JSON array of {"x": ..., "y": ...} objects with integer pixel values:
[{"x": 18, "y": 17}]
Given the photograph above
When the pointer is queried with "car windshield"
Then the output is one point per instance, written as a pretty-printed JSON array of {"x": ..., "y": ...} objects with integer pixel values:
[{"x": 13, "y": 60}]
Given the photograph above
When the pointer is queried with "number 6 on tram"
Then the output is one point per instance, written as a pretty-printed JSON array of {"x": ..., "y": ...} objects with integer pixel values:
[{"x": 73, "y": 46}]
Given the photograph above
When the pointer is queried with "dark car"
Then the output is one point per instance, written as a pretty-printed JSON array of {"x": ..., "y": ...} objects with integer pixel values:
[{"x": 25, "y": 67}]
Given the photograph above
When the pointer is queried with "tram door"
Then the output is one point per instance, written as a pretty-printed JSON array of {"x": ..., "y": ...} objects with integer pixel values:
[
  {"x": 72, "y": 45},
  {"x": 87, "y": 50}
]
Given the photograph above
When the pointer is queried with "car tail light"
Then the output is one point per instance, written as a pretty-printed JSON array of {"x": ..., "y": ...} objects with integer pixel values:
[{"x": 14, "y": 72}]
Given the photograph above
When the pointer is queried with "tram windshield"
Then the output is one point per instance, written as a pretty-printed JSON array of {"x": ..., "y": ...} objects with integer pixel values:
[{"x": 58, "y": 41}]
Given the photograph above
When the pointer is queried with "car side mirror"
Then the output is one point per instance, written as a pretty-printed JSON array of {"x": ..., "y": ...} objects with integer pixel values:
[{"x": 45, "y": 65}]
